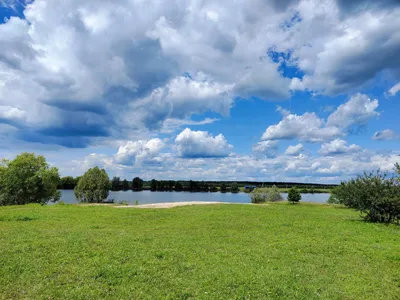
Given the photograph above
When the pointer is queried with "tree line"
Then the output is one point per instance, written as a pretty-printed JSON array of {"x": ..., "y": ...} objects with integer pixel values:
[
  {"x": 138, "y": 184},
  {"x": 29, "y": 179}
]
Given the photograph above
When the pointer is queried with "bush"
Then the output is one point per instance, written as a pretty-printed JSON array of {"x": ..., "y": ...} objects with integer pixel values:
[
  {"x": 93, "y": 186},
  {"x": 234, "y": 188},
  {"x": 333, "y": 199},
  {"x": 294, "y": 195},
  {"x": 259, "y": 195},
  {"x": 274, "y": 195},
  {"x": 28, "y": 179},
  {"x": 375, "y": 195}
]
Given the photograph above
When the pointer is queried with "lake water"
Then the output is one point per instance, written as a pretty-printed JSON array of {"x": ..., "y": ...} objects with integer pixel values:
[{"x": 148, "y": 197}]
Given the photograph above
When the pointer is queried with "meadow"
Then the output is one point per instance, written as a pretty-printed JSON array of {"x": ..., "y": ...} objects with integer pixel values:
[{"x": 276, "y": 251}]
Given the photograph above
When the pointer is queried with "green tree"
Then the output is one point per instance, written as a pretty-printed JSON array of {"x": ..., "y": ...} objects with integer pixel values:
[
  {"x": 28, "y": 179},
  {"x": 93, "y": 186},
  {"x": 274, "y": 195},
  {"x": 115, "y": 184},
  {"x": 125, "y": 185},
  {"x": 137, "y": 184},
  {"x": 178, "y": 186},
  {"x": 153, "y": 187},
  {"x": 234, "y": 188},
  {"x": 294, "y": 195},
  {"x": 77, "y": 180},
  {"x": 67, "y": 183},
  {"x": 223, "y": 188},
  {"x": 259, "y": 195},
  {"x": 375, "y": 195}
]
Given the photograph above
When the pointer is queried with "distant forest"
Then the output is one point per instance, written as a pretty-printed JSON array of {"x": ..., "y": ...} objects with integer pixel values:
[{"x": 137, "y": 184}]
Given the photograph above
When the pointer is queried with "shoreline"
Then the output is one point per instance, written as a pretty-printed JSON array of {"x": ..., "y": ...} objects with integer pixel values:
[{"x": 174, "y": 204}]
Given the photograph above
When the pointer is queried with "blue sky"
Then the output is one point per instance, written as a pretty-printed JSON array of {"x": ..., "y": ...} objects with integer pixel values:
[{"x": 256, "y": 90}]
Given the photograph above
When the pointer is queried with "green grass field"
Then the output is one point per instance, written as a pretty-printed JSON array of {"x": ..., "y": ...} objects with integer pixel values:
[{"x": 276, "y": 251}]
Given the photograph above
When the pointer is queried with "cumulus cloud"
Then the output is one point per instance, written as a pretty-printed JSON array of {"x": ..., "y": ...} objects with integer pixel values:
[
  {"x": 356, "y": 112},
  {"x": 394, "y": 89},
  {"x": 12, "y": 115},
  {"x": 266, "y": 148},
  {"x": 307, "y": 127},
  {"x": 62, "y": 66},
  {"x": 385, "y": 135},
  {"x": 180, "y": 98},
  {"x": 337, "y": 147},
  {"x": 139, "y": 151},
  {"x": 197, "y": 144},
  {"x": 345, "y": 53},
  {"x": 294, "y": 150}
]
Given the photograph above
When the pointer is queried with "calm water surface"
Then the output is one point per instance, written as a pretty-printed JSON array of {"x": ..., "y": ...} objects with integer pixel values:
[{"x": 147, "y": 197}]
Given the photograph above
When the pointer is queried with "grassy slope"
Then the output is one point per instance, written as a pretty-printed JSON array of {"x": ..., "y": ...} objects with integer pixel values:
[{"x": 215, "y": 252}]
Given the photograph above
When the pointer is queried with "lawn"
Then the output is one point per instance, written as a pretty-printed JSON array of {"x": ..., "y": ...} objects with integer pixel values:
[{"x": 277, "y": 251}]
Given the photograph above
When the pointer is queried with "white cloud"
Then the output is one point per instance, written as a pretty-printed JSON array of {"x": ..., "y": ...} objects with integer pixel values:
[
  {"x": 136, "y": 152},
  {"x": 11, "y": 115},
  {"x": 344, "y": 51},
  {"x": 337, "y": 147},
  {"x": 357, "y": 111},
  {"x": 62, "y": 66},
  {"x": 193, "y": 144},
  {"x": 266, "y": 148},
  {"x": 294, "y": 150},
  {"x": 307, "y": 127},
  {"x": 179, "y": 99},
  {"x": 385, "y": 135},
  {"x": 394, "y": 89}
]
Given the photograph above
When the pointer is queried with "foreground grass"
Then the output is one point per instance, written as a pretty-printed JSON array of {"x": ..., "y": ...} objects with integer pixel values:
[{"x": 209, "y": 252}]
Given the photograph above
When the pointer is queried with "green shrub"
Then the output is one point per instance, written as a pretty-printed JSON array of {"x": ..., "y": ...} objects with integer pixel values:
[
  {"x": 333, "y": 199},
  {"x": 294, "y": 195},
  {"x": 375, "y": 195},
  {"x": 28, "y": 179},
  {"x": 93, "y": 186},
  {"x": 274, "y": 195},
  {"x": 234, "y": 188},
  {"x": 259, "y": 195},
  {"x": 123, "y": 202}
]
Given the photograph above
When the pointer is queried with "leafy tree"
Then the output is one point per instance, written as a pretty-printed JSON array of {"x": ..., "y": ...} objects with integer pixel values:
[
  {"x": 294, "y": 195},
  {"x": 125, "y": 185},
  {"x": 274, "y": 195},
  {"x": 223, "y": 188},
  {"x": 234, "y": 188},
  {"x": 93, "y": 186},
  {"x": 375, "y": 195},
  {"x": 28, "y": 179},
  {"x": 259, "y": 195},
  {"x": 213, "y": 189},
  {"x": 171, "y": 185},
  {"x": 77, "y": 180},
  {"x": 67, "y": 183},
  {"x": 137, "y": 184},
  {"x": 178, "y": 186},
  {"x": 193, "y": 186},
  {"x": 153, "y": 185},
  {"x": 115, "y": 184}
]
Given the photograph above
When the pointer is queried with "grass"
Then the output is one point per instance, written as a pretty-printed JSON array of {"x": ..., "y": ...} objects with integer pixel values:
[{"x": 277, "y": 251}]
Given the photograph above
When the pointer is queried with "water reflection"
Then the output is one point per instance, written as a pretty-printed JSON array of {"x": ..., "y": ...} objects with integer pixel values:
[{"x": 148, "y": 197}]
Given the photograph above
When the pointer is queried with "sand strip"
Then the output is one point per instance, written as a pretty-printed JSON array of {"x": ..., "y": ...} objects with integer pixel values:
[{"x": 170, "y": 204}]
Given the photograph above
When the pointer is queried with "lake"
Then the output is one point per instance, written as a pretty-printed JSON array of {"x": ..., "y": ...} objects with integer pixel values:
[{"x": 148, "y": 197}]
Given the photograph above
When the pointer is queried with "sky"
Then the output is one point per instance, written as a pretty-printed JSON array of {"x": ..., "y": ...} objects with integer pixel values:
[{"x": 304, "y": 91}]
